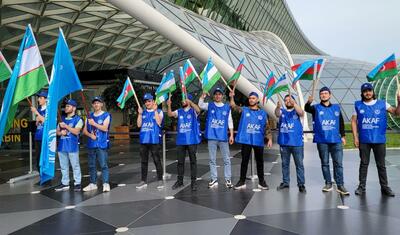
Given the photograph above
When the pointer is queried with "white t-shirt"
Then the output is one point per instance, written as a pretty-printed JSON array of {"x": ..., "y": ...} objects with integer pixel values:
[{"x": 388, "y": 106}]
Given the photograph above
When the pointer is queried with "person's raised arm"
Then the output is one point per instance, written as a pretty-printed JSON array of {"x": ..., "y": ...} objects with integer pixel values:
[
  {"x": 139, "y": 118},
  {"x": 232, "y": 102},
  {"x": 202, "y": 104},
  {"x": 157, "y": 116},
  {"x": 170, "y": 113},
  {"x": 194, "y": 106},
  {"x": 278, "y": 111}
]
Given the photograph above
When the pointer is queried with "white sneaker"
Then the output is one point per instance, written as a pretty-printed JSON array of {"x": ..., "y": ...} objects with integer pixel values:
[
  {"x": 106, "y": 187},
  {"x": 90, "y": 187},
  {"x": 160, "y": 184},
  {"x": 141, "y": 185}
]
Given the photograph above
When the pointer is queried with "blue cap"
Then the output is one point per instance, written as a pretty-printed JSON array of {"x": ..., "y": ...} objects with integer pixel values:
[
  {"x": 218, "y": 90},
  {"x": 71, "y": 102},
  {"x": 366, "y": 86},
  {"x": 325, "y": 88},
  {"x": 42, "y": 94},
  {"x": 97, "y": 98},
  {"x": 253, "y": 93},
  {"x": 189, "y": 96},
  {"x": 148, "y": 96}
]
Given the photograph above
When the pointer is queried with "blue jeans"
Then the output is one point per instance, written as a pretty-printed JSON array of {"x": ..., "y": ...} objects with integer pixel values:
[
  {"x": 336, "y": 151},
  {"x": 212, "y": 150},
  {"x": 65, "y": 158},
  {"x": 102, "y": 157},
  {"x": 298, "y": 155}
]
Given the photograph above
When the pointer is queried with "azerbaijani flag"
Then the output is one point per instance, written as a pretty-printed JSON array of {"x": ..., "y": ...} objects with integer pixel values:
[
  {"x": 236, "y": 75},
  {"x": 182, "y": 79},
  {"x": 209, "y": 76},
  {"x": 127, "y": 92},
  {"x": 305, "y": 71},
  {"x": 268, "y": 84},
  {"x": 5, "y": 70},
  {"x": 189, "y": 72},
  {"x": 281, "y": 85},
  {"x": 167, "y": 86},
  {"x": 28, "y": 77},
  {"x": 385, "y": 69}
]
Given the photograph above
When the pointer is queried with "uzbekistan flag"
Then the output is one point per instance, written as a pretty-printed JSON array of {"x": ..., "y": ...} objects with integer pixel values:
[
  {"x": 281, "y": 85},
  {"x": 5, "y": 70},
  {"x": 268, "y": 84},
  {"x": 183, "y": 87},
  {"x": 190, "y": 72},
  {"x": 167, "y": 86},
  {"x": 210, "y": 76},
  {"x": 127, "y": 92},
  {"x": 385, "y": 69},
  {"x": 305, "y": 71},
  {"x": 236, "y": 75}
]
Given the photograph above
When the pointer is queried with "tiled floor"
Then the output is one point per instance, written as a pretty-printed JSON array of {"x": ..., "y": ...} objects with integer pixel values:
[{"x": 206, "y": 211}]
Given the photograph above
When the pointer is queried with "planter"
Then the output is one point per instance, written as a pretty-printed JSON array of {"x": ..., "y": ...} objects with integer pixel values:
[{"x": 121, "y": 130}]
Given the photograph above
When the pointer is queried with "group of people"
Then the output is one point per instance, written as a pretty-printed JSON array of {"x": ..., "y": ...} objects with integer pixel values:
[{"x": 368, "y": 127}]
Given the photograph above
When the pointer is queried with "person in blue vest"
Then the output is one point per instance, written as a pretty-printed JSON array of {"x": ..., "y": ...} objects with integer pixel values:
[
  {"x": 290, "y": 140},
  {"x": 368, "y": 124},
  {"x": 219, "y": 120},
  {"x": 40, "y": 114},
  {"x": 97, "y": 129},
  {"x": 68, "y": 146},
  {"x": 150, "y": 123},
  {"x": 328, "y": 125},
  {"x": 187, "y": 139},
  {"x": 251, "y": 133}
]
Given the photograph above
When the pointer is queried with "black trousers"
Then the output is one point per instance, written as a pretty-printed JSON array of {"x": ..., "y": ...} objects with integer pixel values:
[
  {"x": 380, "y": 154},
  {"x": 38, "y": 150},
  {"x": 246, "y": 154},
  {"x": 154, "y": 150},
  {"x": 181, "y": 155}
]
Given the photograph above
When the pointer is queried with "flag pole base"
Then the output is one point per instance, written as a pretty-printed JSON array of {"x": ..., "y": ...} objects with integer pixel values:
[{"x": 23, "y": 177}]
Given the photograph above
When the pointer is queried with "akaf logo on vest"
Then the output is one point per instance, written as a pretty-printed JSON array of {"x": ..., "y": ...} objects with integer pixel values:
[
  {"x": 286, "y": 127},
  {"x": 260, "y": 117},
  {"x": 328, "y": 122},
  {"x": 370, "y": 120},
  {"x": 217, "y": 123},
  {"x": 253, "y": 128},
  {"x": 377, "y": 111},
  {"x": 186, "y": 125}
]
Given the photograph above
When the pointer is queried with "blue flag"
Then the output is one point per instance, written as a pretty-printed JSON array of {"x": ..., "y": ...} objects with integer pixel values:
[{"x": 64, "y": 80}]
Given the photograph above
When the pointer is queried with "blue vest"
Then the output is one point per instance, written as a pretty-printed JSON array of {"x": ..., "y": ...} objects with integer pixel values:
[
  {"x": 251, "y": 129},
  {"x": 103, "y": 140},
  {"x": 217, "y": 122},
  {"x": 150, "y": 132},
  {"x": 371, "y": 122},
  {"x": 39, "y": 128},
  {"x": 290, "y": 129},
  {"x": 188, "y": 128},
  {"x": 326, "y": 124},
  {"x": 69, "y": 143}
]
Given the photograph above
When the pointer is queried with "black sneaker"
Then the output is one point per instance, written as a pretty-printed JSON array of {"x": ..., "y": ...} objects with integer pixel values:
[
  {"x": 262, "y": 185},
  {"x": 327, "y": 188},
  {"x": 212, "y": 183},
  {"x": 360, "y": 190},
  {"x": 387, "y": 192},
  {"x": 282, "y": 186},
  {"x": 193, "y": 185},
  {"x": 77, "y": 188},
  {"x": 240, "y": 185},
  {"x": 342, "y": 190},
  {"x": 302, "y": 189},
  {"x": 177, "y": 185},
  {"x": 228, "y": 183},
  {"x": 61, "y": 187}
]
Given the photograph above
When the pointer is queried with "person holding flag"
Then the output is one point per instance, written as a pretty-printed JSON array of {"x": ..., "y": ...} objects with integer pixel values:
[
  {"x": 97, "y": 129},
  {"x": 68, "y": 146},
  {"x": 290, "y": 139},
  {"x": 330, "y": 137},
  {"x": 150, "y": 123},
  {"x": 369, "y": 123},
  {"x": 187, "y": 139},
  {"x": 219, "y": 120},
  {"x": 251, "y": 133}
]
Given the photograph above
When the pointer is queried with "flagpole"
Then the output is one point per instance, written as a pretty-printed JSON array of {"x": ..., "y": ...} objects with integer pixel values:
[
  {"x": 134, "y": 92},
  {"x": 223, "y": 79},
  {"x": 319, "y": 73},
  {"x": 84, "y": 104},
  {"x": 314, "y": 78}
]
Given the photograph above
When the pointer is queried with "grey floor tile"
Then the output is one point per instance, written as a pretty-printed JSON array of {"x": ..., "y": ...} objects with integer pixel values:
[{"x": 27, "y": 202}]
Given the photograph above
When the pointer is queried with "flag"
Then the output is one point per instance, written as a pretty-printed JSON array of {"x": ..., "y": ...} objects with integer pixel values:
[
  {"x": 305, "y": 71},
  {"x": 182, "y": 78},
  {"x": 189, "y": 72},
  {"x": 385, "y": 69},
  {"x": 167, "y": 86},
  {"x": 28, "y": 77},
  {"x": 127, "y": 92},
  {"x": 209, "y": 76},
  {"x": 281, "y": 85},
  {"x": 5, "y": 70},
  {"x": 236, "y": 75},
  {"x": 64, "y": 80},
  {"x": 268, "y": 84}
]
